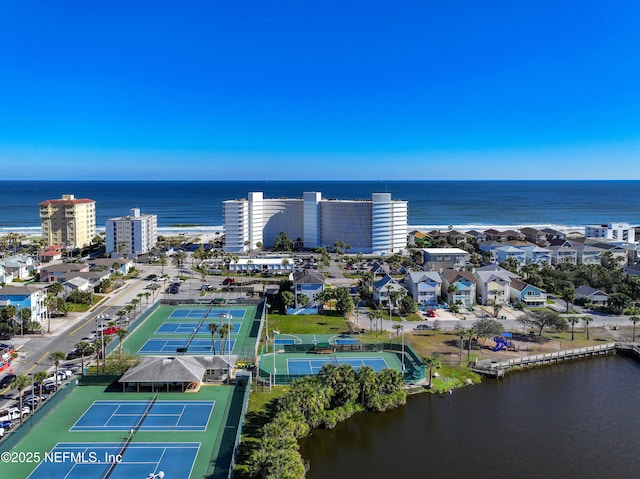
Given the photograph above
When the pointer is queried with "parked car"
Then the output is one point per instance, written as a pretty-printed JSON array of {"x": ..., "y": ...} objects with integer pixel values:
[
  {"x": 13, "y": 413},
  {"x": 6, "y": 423},
  {"x": 111, "y": 330},
  {"x": 74, "y": 354},
  {"x": 6, "y": 380},
  {"x": 229, "y": 281},
  {"x": 34, "y": 399},
  {"x": 423, "y": 327},
  {"x": 431, "y": 313}
]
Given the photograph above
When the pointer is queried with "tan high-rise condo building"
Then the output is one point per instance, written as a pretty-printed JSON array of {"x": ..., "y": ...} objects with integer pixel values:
[{"x": 69, "y": 221}]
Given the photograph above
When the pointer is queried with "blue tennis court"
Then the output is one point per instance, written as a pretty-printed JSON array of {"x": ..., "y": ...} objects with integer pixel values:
[
  {"x": 296, "y": 366},
  {"x": 187, "y": 313},
  {"x": 189, "y": 328},
  {"x": 117, "y": 461},
  {"x": 162, "y": 416},
  {"x": 197, "y": 346}
]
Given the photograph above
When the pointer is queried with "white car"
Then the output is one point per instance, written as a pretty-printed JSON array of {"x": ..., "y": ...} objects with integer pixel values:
[{"x": 13, "y": 413}]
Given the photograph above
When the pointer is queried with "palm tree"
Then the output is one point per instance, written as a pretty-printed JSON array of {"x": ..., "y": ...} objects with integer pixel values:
[
  {"x": 213, "y": 328},
  {"x": 573, "y": 320},
  {"x": 38, "y": 377},
  {"x": 85, "y": 348},
  {"x": 431, "y": 362},
  {"x": 55, "y": 357},
  {"x": 163, "y": 261},
  {"x": 20, "y": 382},
  {"x": 225, "y": 331},
  {"x": 122, "y": 333},
  {"x": 398, "y": 328},
  {"x": 568, "y": 296},
  {"x": 634, "y": 320},
  {"x": 586, "y": 320}
]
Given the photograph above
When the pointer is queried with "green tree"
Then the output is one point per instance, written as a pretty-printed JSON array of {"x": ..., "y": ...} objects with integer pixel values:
[
  {"x": 543, "y": 319},
  {"x": 408, "y": 305},
  {"x": 431, "y": 362},
  {"x": 287, "y": 299},
  {"x": 225, "y": 331},
  {"x": 55, "y": 357},
  {"x": 85, "y": 349},
  {"x": 586, "y": 320},
  {"x": 283, "y": 242},
  {"x": 344, "y": 301},
  {"x": 38, "y": 377},
  {"x": 569, "y": 296},
  {"x": 573, "y": 320},
  {"x": 213, "y": 329},
  {"x": 488, "y": 328},
  {"x": 20, "y": 382},
  {"x": 121, "y": 333}
]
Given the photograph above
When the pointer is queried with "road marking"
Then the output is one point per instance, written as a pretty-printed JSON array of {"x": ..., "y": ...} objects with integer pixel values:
[{"x": 110, "y": 304}]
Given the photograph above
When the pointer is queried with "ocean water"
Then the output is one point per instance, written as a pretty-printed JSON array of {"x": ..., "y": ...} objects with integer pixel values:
[{"x": 197, "y": 205}]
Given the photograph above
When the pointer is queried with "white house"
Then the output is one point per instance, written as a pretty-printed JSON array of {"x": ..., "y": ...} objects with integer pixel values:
[{"x": 424, "y": 287}]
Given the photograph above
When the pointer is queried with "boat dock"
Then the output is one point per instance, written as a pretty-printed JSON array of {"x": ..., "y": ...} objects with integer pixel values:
[{"x": 496, "y": 369}]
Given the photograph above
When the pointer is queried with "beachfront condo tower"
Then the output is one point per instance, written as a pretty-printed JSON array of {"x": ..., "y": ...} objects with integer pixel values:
[
  {"x": 69, "y": 221},
  {"x": 378, "y": 225},
  {"x": 133, "y": 235}
]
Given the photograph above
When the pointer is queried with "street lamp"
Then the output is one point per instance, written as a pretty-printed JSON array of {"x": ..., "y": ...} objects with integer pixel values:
[
  {"x": 402, "y": 329},
  {"x": 274, "y": 355},
  {"x": 151, "y": 475}
]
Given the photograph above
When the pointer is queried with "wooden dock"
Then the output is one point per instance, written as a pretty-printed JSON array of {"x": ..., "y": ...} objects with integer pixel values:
[{"x": 497, "y": 369}]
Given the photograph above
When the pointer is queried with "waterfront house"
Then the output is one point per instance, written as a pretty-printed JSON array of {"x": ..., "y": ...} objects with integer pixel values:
[
  {"x": 534, "y": 235},
  {"x": 480, "y": 236},
  {"x": 513, "y": 235},
  {"x": 587, "y": 294},
  {"x": 553, "y": 234},
  {"x": 460, "y": 287},
  {"x": 527, "y": 294},
  {"x": 493, "y": 285},
  {"x": 495, "y": 235},
  {"x": 424, "y": 287}
]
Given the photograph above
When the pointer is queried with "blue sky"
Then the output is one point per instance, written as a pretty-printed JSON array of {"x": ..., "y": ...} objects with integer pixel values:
[{"x": 327, "y": 90}]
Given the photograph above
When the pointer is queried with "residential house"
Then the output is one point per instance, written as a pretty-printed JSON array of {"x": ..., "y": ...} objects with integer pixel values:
[
  {"x": 504, "y": 253},
  {"x": 4, "y": 278},
  {"x": 495, "y": 235},
  {"x": 418, "y": 238},
  {"x": 612, "y": 252},
  {"x": 120, "y": 265},
  {"x": 458, "y": 258},
  {"x": 309, "y": 283},
  {"x": 587, "y": 254},
  {"x": 51, "y": 253},
  {"x": 633, "y": 270},
  {"x": 633, "y": 252},
  {"x": 19, "y": 266},
  {"x": 527, "y": 294},
  {"x": 30, "y": 296},
  {"x": 279, "y": 264},
  {"x": 75, "y": 284},
  {"x": 563, "y": 255},
  {"x": 537, "y": 255},
  {"x": 60, "y": 272},
  {"x": 424, "y": 287},
  {"x": 480, "y": 236},
  {"x": 587, "y": 294},
  {"x": 380, "y": 269},
  {"x": 460, "y": 287},
  {"x": 513, "y": 235},
  {"x": 534, "y": 235},
  {"x": 552, "y": 234},
  {"x": 383, "y": 289},
  {"x": 493, "y": 285}
]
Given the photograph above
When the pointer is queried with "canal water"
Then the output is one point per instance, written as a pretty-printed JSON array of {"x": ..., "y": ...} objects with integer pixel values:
[{"x": 575, "y": 420}]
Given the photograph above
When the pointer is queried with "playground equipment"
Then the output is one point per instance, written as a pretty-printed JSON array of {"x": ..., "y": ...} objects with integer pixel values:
[{"x": 503, "y": 342}]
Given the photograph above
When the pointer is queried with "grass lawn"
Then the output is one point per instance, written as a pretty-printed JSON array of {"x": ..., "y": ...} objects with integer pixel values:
[{"x": 328, "y": 323}]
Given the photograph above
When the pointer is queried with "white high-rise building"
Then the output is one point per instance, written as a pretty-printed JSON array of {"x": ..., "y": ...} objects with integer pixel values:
[
  {"x": 132, "y": 235},
  {"x": 611, "y": 231},
  {"x": 376, "y": 226}
]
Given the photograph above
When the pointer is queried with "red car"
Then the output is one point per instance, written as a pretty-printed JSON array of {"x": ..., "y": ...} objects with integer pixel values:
[
  {"x": 431, "y": 313},
  {"x": 111, "y": 330}
]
